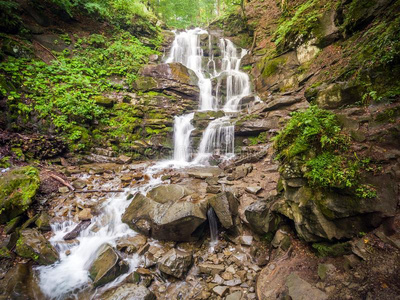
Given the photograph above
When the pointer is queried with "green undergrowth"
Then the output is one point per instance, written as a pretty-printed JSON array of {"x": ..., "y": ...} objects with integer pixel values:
[
  {"x": 314, "y": 137},
  {"x": 63, "y": 93},
  {"x": 260, "y": 139}
]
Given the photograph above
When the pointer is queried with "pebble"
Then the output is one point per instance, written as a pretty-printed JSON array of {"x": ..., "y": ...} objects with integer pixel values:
[
  {"x": 233, "y": 282},
  {"x": 220, "y": 290},
  {"x": 246, "y": 240},
  {"x": 234, "y": 296},
  {"x": 218, "y": 279}
]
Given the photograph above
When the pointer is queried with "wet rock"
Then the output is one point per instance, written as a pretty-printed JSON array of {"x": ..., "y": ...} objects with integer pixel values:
[
  {"x": 17, "y": 189},
  {"x": 34, "y": 245},
  {"x": 169, "y": 216},
  {"x": 300, "y": 289},
  {"x": 131, "y": 244},
  {"x": 175, "y": 263},
  {"x": 220, "y": 290},
  {"x": 211, "y": 269},
  {"x": 77, "y": 230},
  {"x": 43, "y": 222},
  {"x": 85, "y": 214},
  {"x": 129, "y": 291},
  {"x": 225, "y": 206},
  {"x": 107, "y": 266}
]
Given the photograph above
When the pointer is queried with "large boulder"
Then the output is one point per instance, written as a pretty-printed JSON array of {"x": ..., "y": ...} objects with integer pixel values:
[
  {"x": 172, "y": 77},
  {"x": 17, "y": 189},
  {"x": 129, "y": 291},
  {"x": 167, "y": 213},
  {"x": 329, "y": 215},
  {"x": 261, "y": 217},
  {"x": 225, "y": 206},
  {"x": 32, "y": 244},
  {"x": 175, "y": 263},
  {"x": 107, "y": 266},
  {"x": 300, "y": 289}
]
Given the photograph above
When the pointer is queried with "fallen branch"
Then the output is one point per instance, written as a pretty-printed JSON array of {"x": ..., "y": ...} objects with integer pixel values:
[
  {"x": 101, "y": 191},
  {"x": 48, "y": 50},
  {"x": 62, "y": 181}
]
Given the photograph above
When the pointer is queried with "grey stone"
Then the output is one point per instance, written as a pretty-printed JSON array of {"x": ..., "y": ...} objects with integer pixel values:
[
  {"x": 300, "y": 289},
  {"x": 175, "y": 263},
  {"x": 220, "y": 290}
]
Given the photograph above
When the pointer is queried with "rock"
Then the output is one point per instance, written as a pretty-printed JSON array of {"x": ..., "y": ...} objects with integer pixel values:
[
  {"x": 173, "y": 77},
  {"x": 241, "y": 172},
  {"x": 63, "y": 190},
  {"x": 324, "y": 270},
  {"x": 85, "y": 214},
  {"x": 129, "y": 291},
  {"x": 175, "y": 263},
  {"x": 220, "y": 290},
  {"x": 34, "y": 245},
  {"x": 350, "y": 261},
  {"x": 225, "y": 205},
  {"x": 175, "y": 220},
  {"x": 234, "y": 296},
  {"x": 281, "y": 238},
  {"x": 12, "y": 225},
  {"x": 131, "y": 244},
  {"x": 334, "y": 95},
  {"x": 278, "y": 102},
  {"x": 211, "y": 269},
  {"x": 77, "y": 230},
  {"x": 261, "y": 218},
  {"x": 124, "y": 159},
  {"x": 218, "y": 279},
  {"x": 253, "y": 189},
  {"x": 104, "y": 101},
  {"x": 166, "y": 193},
  {"x": 79, "y": 184},
  {"x": 233, "y": 282},
  {"x": 214, "y": 189},
  {"x": 107, "y": 266},
  {"x": 43, "y": 222},
  {"x": 17, "y": 189},
  {"x": 246, "y": 240},
  {"x": 300, "y": 289}
]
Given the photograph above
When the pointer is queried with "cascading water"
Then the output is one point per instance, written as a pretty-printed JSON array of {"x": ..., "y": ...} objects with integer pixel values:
[
  {"x": 67, "y": 277},
  {"x": 219, "y": 135}
]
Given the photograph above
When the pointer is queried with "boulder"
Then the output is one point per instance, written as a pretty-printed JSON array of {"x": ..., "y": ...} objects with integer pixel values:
[
  {"x": 300, "y": 289},
  {"x": 129, "y": 291},
  {"x": 173, "y": 77},
  {"x": 334, "y": 95},
  {"x": 77, "y": 230},
  {"x": 131, "y": 244},
  {"x": 167, "y": 213},
  {"x": 43, "y": 222},
  {"x": 175, "y": 263},
  {"x": 107, "y": 266},
  {"x": 225, "y": 206},
  {"x": 32, "y": 244},
  {"x": 17, "y": 189},
  {"x": 261, "y": 217}
]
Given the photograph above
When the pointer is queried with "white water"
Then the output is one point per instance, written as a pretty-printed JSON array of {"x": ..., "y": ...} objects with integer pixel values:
[
  {"x": 218, "y": 138},
  {"x": 70, "y": 274}
]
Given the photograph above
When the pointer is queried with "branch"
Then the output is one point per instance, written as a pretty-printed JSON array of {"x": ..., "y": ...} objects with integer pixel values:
[{"x": 62, "y": 181}]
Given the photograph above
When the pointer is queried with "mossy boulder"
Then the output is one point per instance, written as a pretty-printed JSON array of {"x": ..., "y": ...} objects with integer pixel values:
[
  {"x": 17, "y": 189},
  {"x": 16, "y": 49},
  {"x": 145, "y": 84},
  {"x": 34, "y": 245},
  {"x": 104, "y": 101},
  {"x": 334, "y": 95}
]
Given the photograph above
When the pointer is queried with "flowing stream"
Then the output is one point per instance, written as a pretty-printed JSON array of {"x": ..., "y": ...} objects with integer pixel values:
[{"x": 222, "y": 86}]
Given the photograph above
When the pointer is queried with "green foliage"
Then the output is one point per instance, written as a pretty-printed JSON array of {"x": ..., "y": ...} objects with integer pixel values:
[
  {"x": 8, "y": 15},
  {"x": 261, "y": 138},
  {"x": 314, "y": 138},
  {"x": 332, "y": 250},
  {"x": 63, "y": 92},
  {"x": 314, "y": 128}
]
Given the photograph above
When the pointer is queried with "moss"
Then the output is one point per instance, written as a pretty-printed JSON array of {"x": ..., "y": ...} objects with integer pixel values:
[
  {"x": 17, "y": 188},
  {"x": 271, "y": 66},
  {"x": 332, "y": 250},
  {"x": 145, "y": 84}
]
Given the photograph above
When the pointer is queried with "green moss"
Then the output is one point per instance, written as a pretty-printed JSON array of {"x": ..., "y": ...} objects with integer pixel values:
[
  {"x": 332, "y": 250},
  {"x": 260, "y": 139},
  {"x": 271, "y": 66},
  {"x": 17, "y": 188}
]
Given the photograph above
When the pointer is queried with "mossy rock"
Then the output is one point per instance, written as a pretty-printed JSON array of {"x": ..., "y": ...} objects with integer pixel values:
[
  {"x": 16, "y": 49},
  {"x": 145, "y": 84},
  {"x": 272, "y": 66},
  {"x": 104, "y": 101},
  {"x": 332, "y": 250},
  {"x": 17, "y": 189},
  {"x": 34, "y": 245}
]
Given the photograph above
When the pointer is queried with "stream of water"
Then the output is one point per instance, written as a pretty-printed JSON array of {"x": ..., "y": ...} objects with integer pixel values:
[{"x": 222, "y": 86}]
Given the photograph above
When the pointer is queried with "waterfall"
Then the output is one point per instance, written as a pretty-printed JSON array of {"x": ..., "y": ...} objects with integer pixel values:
[
  {"x": 182, "y": 130},
  {"x": 218, "y": 138},
  {"x": 212, "y": 221},
  {"x": 230, "y": 86}
]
